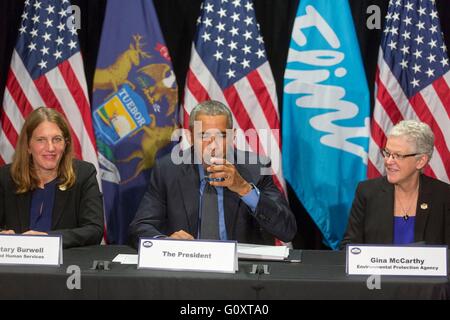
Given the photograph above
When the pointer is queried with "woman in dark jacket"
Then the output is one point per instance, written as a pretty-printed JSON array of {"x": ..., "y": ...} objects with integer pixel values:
[
  {"x": 405, "y": 206},
  {"x": 45, "y": 190}
]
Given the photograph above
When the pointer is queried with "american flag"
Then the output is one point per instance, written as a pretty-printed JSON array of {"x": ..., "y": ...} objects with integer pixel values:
[
  {"x": 229, "y": 64},
  {"x": 47, "y": 70},
  {"x": 412, "y": 81}
]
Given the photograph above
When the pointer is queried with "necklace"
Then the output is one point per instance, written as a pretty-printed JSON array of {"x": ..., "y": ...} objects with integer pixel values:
[{"x": 405, "y": 212}]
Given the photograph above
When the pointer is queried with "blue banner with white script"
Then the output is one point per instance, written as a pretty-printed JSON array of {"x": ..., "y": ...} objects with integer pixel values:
[
  {"x": 326, "y": 109},
  {"x": 134, "y": 108}
]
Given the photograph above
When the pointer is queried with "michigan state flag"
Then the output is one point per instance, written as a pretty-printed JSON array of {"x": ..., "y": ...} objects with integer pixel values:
[
  {"x": 325, "y": 114},
  {"x": 134, "y": 108}
]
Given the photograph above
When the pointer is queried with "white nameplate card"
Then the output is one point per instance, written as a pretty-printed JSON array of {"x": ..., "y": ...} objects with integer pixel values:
[
  {"x": 397, "y": 260},
  {"x": 188, "y": 255},
  {"x": 30, "y": 250}
]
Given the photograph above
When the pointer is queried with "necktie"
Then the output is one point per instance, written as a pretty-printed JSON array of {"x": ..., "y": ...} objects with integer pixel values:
[{"x": 209, "y": 214}]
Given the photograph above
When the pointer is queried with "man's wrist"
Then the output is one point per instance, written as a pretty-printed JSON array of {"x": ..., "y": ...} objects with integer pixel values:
[{"x": 247, "y": 187}]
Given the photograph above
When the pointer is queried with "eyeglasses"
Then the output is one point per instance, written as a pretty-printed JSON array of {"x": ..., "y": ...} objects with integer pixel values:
[
  {"x": 206, "y": 136},
  {"x": 395, "y": 156},
  {"x": 58, "y": 140}
]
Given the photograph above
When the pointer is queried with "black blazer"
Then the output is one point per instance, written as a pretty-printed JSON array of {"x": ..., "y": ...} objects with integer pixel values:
[
  {"x": 372, "y": 215},
  {"x": 77, "y": 212},
  {"x": 171, "y": 203}
]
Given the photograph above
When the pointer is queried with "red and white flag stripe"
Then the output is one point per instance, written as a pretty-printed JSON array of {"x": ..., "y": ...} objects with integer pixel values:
[
  {"x": 252, "y": 101},
  {"x": 431, "y": 105},
  {"x": 63, "y": 88}
]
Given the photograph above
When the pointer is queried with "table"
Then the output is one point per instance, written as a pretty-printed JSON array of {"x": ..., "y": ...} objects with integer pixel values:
[{"x": 320, "y": 275}]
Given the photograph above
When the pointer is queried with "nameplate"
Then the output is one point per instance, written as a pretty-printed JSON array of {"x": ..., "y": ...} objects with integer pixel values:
[
  {"x": 397, "y": 260},
  {"x": 30, "y": 250},
  {"x": 188, "y": 255}
]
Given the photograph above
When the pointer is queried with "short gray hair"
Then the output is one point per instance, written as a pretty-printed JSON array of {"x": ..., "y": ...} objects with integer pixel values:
[
  {"x": 211, "y": 108},
  {"x": 416, "y": 132}
]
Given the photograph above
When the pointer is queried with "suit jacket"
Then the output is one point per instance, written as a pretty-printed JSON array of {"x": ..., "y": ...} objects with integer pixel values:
[
  {"x": 171, "y": 203},
  {"x": 372, "y": 215},
  {"x": 77, "y": 212}
]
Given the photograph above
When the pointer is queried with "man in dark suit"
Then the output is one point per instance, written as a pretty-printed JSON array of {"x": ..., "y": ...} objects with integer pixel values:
[{"x": 249, "y": 207}]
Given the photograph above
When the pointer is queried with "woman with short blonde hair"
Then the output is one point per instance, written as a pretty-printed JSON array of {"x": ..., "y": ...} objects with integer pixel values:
[{"x": 405, "y": 206}]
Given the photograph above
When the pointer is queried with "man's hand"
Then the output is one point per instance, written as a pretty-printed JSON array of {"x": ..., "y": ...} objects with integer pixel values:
[
  {"x": 35, "y": 233},
  {"x": 221, "y": 168},
  {"x": 181, "y": 235},
  {"x": 7, "y": 232}
]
